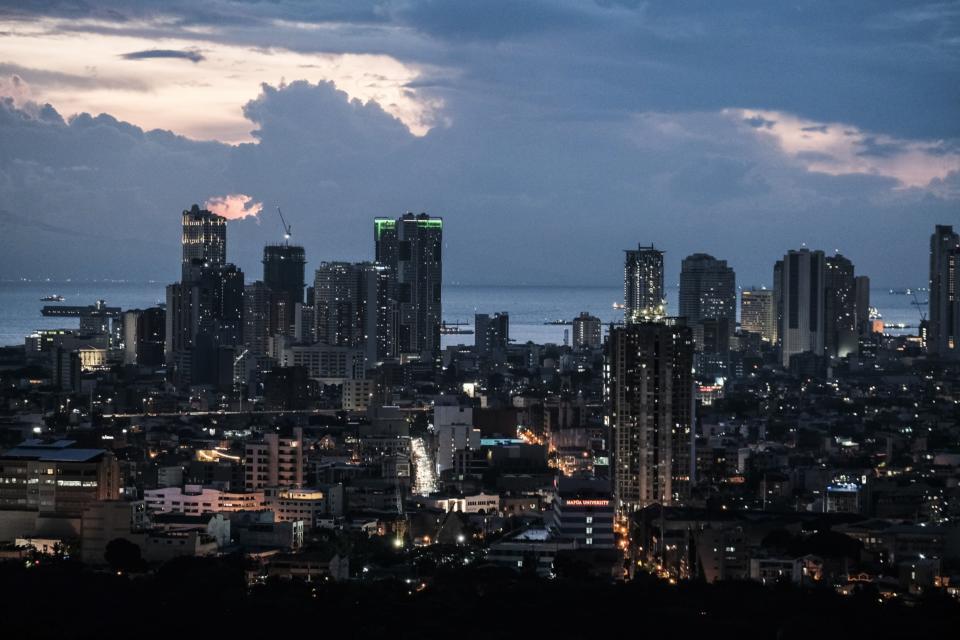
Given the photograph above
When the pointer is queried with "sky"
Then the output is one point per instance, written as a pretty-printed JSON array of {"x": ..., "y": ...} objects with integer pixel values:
[{"x": 550, "y": 136}]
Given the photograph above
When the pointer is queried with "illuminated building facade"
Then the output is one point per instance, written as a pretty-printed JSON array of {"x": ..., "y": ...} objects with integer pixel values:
[
  {"x": 643, "y": 292},
  {"x": 583, "y": 512},
  {"x": 650, "y": 404},
  {"x": 757, "y": 313},
  {"x": 204, "y": 238},
  {"x": 412, "y": 246},
  {"x": 355, "y": 308},
  {"x": 586, "y": 332}
]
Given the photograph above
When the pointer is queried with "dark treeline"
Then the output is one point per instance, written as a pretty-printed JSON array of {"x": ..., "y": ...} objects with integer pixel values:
[{"x": 189, "y": 596}]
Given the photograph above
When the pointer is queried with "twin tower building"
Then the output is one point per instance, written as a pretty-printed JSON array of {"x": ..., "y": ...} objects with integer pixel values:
[{"x": 352, "y": 317}]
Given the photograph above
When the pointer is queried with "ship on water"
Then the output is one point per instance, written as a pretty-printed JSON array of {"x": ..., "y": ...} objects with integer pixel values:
[{"x": 53, "y": 298}]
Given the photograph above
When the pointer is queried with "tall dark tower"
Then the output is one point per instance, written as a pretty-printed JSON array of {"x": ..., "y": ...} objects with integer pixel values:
[
  {"x": 943, "y": 335},
  {"x": 204, "y": 318},
  {"x": 412, "y": 246},
  {"x": 283, "y": 275},
  {"x": 840, "y": 307},
  {"x": 649, "y": 389},
  {"x": 643, "y": 293}
]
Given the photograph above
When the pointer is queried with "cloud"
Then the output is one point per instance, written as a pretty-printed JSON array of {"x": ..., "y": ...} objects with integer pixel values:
[
  {"x": 843, "y": 149},
  {"x": 234, "y": 206},
  {"x": 150, "y": 54}
]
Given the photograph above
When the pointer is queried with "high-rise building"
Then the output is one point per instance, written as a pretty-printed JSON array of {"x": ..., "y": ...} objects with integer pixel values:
[
  {"x": 643, "y": 292},
  {"x": 650, "y": 395},
  {"x": 802, "y": 312},
  {"x": 861, "y": 290},
  {"x": 586, "y": 332},
  {"x": 283, "y": 274},
  {"x": 257, "y": 317},
  {"x": 708, "y": 290},
  {"x": 204, "y": 238},
  {"x": 491, "y": 334},
  {"x": 354, "y": 307},
  {"x": 943, "y": 330},
  {"x": 412, "y": 246},
  {"x": 840, "y": 307},
  {"x": 758, "y": 314},
  {"x": 144, "y": 336},
  {"x": 204, "y": 320}
]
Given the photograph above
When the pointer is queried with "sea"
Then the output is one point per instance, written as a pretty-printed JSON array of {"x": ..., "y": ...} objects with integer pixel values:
[{"x": 532, "y": 309}]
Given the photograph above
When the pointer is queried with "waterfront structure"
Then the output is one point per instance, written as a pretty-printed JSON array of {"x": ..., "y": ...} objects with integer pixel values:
[
  {"x": 943, "y": 333},
  {"x": 840, "y": 307},
  {"x": 586, "y": 332},
  {"x": 801, "y": 289},
  {"x": 650, "y": 403},
  {"x": 412, "y": 247},
  {"x": 643, "y": 291},
  {"x": 758, "y": 313}
]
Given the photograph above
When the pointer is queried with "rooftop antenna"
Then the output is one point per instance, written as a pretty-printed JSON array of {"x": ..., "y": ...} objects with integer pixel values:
[{"x": 286, "y": 227}]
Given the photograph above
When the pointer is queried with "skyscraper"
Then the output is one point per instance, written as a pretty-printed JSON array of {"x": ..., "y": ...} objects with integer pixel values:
[
  {"x": 861, "y": 290},
  {"x": 840, "y": 307},
  {"x": 491, "y": 334},
  {"x": 643, "y": 292},
  {"x": 354, "y": 307},
  {"x": 586, "y": 332},
  {"x": 650, "y": 396},
  {"x": 943, "y": 333},
  {"x": 707, "y": 290},
  {"x": 757, "y": 313},
  {"x": 283, "y": 275},
  {"x": 412, "y": 246},
  {"x": 204, "y": 320},
  {"x": 204, "y": 238},
  {"x": 802, "y": 298}
]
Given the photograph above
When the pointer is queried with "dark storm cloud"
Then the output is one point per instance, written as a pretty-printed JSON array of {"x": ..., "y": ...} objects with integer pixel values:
[
  {"x": 516, "y": 197},
  {"x": 575, "y": 129},
  {"x": 150, "y": 54}
]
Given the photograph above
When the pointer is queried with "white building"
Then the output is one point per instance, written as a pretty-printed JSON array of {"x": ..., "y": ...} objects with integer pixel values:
[
  {"x": 455, "y": 431},
  {"x": 194, "y": 499}
]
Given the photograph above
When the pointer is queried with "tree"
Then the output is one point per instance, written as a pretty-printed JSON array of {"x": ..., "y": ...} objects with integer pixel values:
[{"x": 123, "y": 555}]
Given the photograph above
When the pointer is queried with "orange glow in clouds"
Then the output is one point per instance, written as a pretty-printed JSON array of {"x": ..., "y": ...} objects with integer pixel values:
[{"x": 233, "y": 206}]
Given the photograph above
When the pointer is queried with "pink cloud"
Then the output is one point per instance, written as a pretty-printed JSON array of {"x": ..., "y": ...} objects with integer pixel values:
[{"x": 234, "y": 206}]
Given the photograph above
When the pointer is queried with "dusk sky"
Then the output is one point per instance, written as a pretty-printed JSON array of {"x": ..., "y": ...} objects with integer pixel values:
[{"x": 550, "y": 136}]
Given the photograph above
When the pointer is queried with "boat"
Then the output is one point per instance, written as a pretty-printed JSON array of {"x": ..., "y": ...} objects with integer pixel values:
[
  {"x": 53, "y": 298},
  {"x": 619, "y": 305}
]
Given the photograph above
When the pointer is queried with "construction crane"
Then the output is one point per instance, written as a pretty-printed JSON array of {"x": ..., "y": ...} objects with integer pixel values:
[
  {"x": 286, "y": 227},
  {"x": 919, "y": 305}
]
